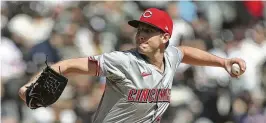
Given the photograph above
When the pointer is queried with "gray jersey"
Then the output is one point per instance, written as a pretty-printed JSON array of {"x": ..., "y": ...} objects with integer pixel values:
[{"x": 136, "y": 92}]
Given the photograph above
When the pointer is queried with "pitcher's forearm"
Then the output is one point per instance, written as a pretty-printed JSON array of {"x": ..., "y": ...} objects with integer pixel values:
[
  {"x": 63, "y": 68},
  {"x": 66, "y": 67},
  {"x": 60, "y": 67},
  {"x": 201, "y": 58}
]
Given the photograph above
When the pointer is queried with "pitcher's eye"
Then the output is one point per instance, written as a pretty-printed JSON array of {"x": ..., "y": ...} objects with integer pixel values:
[{"x": 146, "y": 30}]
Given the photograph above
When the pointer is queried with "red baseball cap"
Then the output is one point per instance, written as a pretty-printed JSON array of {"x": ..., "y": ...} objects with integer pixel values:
[{"x": 155, "y": 17}]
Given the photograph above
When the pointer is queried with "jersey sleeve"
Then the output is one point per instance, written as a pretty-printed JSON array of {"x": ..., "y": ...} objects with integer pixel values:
[
  {"x": 180, "y": 55},
  {"x": 115, "y": 62},
  {"x": 175, "y": 56}
]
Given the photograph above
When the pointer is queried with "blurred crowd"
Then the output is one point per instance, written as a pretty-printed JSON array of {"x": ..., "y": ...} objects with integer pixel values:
[{"x": 35, "y": 31}]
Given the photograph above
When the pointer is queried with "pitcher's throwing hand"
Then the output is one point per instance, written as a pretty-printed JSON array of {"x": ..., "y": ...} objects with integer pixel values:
[{"x": 229, "y": 66}]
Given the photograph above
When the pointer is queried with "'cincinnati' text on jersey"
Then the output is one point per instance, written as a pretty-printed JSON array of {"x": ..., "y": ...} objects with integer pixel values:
[{"x": 149, "y": 95}]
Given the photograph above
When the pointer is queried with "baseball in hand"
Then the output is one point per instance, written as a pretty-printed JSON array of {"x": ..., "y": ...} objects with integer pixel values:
[{"x": 236, "y": 69}]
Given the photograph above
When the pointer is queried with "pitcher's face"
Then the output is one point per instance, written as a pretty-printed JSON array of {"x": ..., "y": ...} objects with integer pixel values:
[{"x": 149, "y": 39}]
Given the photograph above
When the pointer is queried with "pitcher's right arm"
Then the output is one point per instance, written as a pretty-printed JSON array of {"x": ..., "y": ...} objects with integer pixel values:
[{"x": 66, "y": 68}]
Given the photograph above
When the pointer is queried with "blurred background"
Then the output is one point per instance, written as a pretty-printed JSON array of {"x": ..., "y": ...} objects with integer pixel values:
[{"x": 30, "y": 30}]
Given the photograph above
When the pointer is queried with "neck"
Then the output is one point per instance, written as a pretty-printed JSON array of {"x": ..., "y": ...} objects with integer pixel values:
[{"x": 156, "y": 59}]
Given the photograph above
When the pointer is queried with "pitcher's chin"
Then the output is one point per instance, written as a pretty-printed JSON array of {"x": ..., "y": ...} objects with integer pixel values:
[{"x": 141, "y": 50}]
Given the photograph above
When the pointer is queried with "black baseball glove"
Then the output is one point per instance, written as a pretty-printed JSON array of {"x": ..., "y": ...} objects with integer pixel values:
[{"x": 46, "y": 90}]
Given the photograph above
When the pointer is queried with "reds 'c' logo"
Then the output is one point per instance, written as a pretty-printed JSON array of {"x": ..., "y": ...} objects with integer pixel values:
[{"x": 147, "y": 14}]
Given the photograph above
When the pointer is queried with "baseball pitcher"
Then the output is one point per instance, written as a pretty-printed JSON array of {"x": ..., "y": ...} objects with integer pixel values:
[{"x": 139, "y": 80}]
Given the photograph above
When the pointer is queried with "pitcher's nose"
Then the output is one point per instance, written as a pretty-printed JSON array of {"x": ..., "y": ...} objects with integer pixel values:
[{"x": 140, "y": 38}]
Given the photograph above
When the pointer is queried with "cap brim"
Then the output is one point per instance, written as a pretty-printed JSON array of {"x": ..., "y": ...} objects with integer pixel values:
[{"x": 134, "y": 23}]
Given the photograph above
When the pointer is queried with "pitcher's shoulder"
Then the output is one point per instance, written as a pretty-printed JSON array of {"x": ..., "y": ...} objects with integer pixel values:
[
  {"x": 130, "y": 53},
  {"x": 115, "y": 54},
  {"x": 121, "y": 57},
  {"x": 174, "y": 53},
  {"x": 173, "y": 50}
]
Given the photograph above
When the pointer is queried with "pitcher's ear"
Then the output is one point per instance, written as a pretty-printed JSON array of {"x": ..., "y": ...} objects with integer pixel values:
[{"x": 165, "y": 37}]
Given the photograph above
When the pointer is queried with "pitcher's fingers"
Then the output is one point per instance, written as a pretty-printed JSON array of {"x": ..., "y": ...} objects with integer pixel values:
[
  {"x": 243, "y": 63},
  {"x": 234, "y": 76}
]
